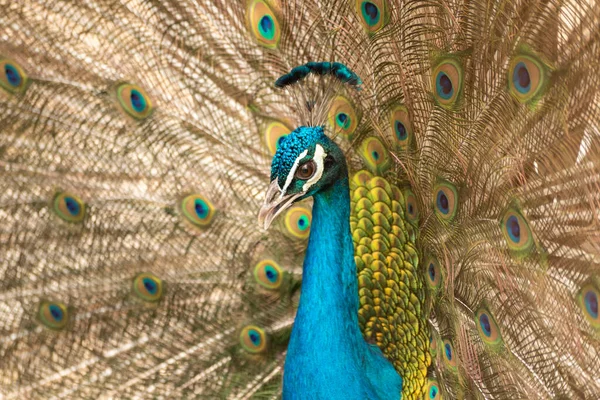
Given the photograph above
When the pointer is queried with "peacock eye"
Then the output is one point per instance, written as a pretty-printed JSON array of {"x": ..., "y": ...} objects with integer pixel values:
[{"x": 306, "y": 170}]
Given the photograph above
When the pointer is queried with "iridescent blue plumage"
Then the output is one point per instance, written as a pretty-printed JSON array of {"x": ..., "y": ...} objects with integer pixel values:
[
  {"x": 327, "y": 354},
  {"x": 290, "y": 147},
  {"x": 338, "y": 70}
]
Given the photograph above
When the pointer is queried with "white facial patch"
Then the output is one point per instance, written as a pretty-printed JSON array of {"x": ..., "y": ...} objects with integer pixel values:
[
  {"x": 318, "y": 158},
  {"x": 292, "y": 172}
]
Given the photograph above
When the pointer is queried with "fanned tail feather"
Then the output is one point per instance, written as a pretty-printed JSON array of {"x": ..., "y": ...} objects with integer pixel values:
[{"x": 135, "y": 144}]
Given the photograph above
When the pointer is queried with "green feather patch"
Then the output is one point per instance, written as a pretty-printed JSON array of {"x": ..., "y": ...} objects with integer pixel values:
[
  {"x": 447, "y": 82},
  {"x": 449, "y": 355},
  {"x": 373, "y": 14},
  {"x": 69, "y": 207},
  {"x": 433, "y": 274},
  {"x": 274, "y": 132},
  {"x": 588, "y": 299},
  {"x": 528, "y": 77},
  {"x": 147, "y": 287},
  {"x": 198, "y": 210},
  {"x": 12, "y": 77},
  {"x": 433, "y": 343},
  {"x": 134, "y": 101},
  {"x": 253, "y": 339},
  {"x": 263, "y": 22},
  {"x": 488, "y": 328},
  {"x": 53, "y": 315},
  {"x": 445, "y": 200},
  {"x": 391, "y": 292},
  {"x": 432, "y": 391},
  {"x": 268, "y": 274},
  {"x": 343, "y": 117},
  {"x": 411, "y": 209},
  {"x": 296, "y": 222},
  {"x": 517, "y": 232},
  {"x": 375, "y": 155},
  {"x": 402, "y": 133}
]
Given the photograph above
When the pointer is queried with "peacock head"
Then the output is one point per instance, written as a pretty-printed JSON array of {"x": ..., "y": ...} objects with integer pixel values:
[{"x": 306, "y": 162}]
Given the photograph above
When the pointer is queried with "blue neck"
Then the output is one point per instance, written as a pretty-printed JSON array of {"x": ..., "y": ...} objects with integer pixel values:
[
  {"x": 327, "y": 355},
  {"x": 329, "y": 285}
]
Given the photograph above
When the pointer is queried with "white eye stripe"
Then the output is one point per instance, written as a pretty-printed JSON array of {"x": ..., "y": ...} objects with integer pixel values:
[
  {"x": 292, "y": 172},
  {"x": 318, "y": 159}
]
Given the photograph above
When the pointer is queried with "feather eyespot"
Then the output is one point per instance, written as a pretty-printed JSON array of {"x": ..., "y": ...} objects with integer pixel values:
[
  {"x": 449, "y": 356},
  {"x": 69, "y": 207},
  {"x": 445, "y": 200},
  {"x": 342, "y": 117},
  {"x": 264, "y": 24},
  {"x": 433, "y": 343},
  {"x": 526, "y": 78},
  {"x": 268, "y": 274},
  {"x": 588, "y": 299},
  {"x": 274, "y": 134},
  {"x": 447, "y": 82},
  {"x": 297, "y": 222},
  {"x": 12, "y": 77},
  {"x": 401, "y": 127},
  {"x": 198, "y": 210},
  {"x": 253, "y": 339},
  {"x": 147, "y": 287},
  {"x": 412, "y": 209},
  {"x": 375, "y": 154},
  {"x": 516, "y": 231},
  {"x": 53, "y": 315},
  {"x": 373, "y": 14},
  {"x": 433, "y": 273},
  {"x": 487, "y": 327},
  {"x": 433, "y": 390},
  {"x": 134, "y": 100}
]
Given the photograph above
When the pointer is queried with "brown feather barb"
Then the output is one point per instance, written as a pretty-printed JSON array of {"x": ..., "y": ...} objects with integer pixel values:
[{"x": 135, "y": 144}]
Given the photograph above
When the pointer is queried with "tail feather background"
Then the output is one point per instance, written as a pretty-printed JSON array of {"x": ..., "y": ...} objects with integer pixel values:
[{"x": 135, "y": 145}]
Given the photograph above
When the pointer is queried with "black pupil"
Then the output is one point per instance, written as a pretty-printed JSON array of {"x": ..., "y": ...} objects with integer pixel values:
[
  {"x": 593, "y": 300},
  {"x": 444, "y": 201},
  {"x": 446, "y": 84},
  {"x": 306, "y": 170},
  {"x": 515, "y": 229},
  {"x": 400, "y": 129},
  {"x": 266, "y": 24},
  {"x": 371, "y": 9},
  {"x": 149, "y": 286},
  {"x": 524, "y": 79},
  {"x": 71, "y": 206},
  {"x": 432, "y": 272},
  {"x": 486, "y": 324},
  {"x": 12, "y": 77}
]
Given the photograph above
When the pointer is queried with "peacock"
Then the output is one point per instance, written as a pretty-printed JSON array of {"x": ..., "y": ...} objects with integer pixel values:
[{"x": 327, "y": 199}]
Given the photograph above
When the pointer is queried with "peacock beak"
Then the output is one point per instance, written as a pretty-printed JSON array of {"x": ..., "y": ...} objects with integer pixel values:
[{"x": 275, "y": 203}]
